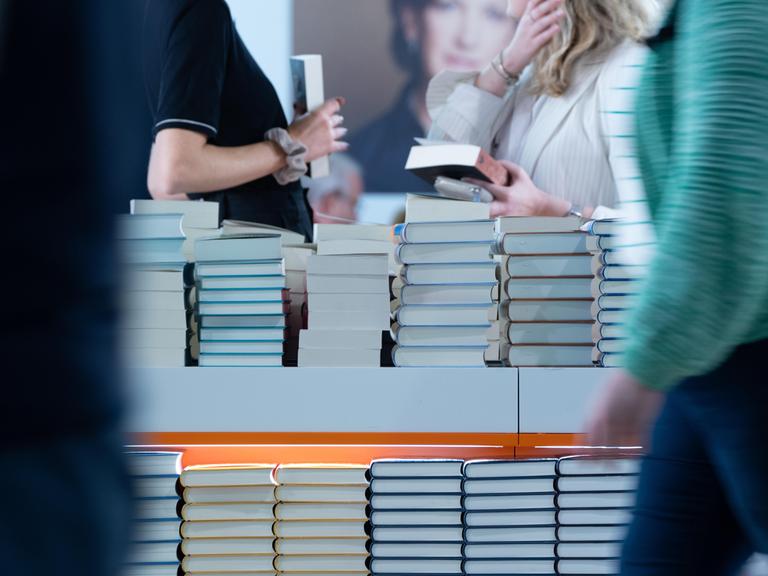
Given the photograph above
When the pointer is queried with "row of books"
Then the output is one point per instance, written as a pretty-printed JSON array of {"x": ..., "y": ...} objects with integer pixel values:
[{"x": 565, "y": 516}]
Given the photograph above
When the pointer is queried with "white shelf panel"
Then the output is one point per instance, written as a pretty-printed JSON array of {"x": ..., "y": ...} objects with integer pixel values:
[
  {"x": 558, "y": 400},
  {"x": 324, "y": 400}
]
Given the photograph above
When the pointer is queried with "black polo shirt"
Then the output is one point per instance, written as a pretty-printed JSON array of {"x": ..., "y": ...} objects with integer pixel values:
[{"x": 200, "y": 76}]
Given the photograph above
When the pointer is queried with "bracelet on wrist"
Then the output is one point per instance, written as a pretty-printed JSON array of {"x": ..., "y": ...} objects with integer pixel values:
[
  {"x": 498, "y": 66},
  {"x": 295, "y": 156}
]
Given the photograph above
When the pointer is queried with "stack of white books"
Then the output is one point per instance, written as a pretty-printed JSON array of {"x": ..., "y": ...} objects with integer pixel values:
[
  {"x": 348, "y": 302},
  {"x": 546, "y": 292},
  {"x": 156, "y": 529},
  {"x": 321, "y": 516},
  {"x": 595, "y": 497},
  {"x": 445, "y": 311},
  {"x": 510, "y": 517},
  {"x": 343, "y": 239},
  {"x": 619, "y": 263},
  {"x": 242, "y": 300},
  {"x": 416, "y": 517},
  {"x": 228, "y": 519},
  {"x": 154, "y": 327}
]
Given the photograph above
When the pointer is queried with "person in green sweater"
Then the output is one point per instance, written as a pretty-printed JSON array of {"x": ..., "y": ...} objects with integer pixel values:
[{"x": 698, "y": 338}]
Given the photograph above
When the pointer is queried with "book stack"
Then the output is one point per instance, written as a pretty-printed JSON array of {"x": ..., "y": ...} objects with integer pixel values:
[
  {"x": 594, "y": 501},
  {"x": 345, "y": 239},
  {"x": 153, "y": 329},
  {"x": 616, "y": 285},
  {"x": 348, "y": 302},
  {"x": 155, "y": 531},
  {"x": 546, "y": 292},
  {"x": 321, "y": 516},
  {"x": 445, "y": 306},
  {"x": 242, "y": 300},
  {"x": 416, "y": 517},
  {"x": 510, "y": 517},
  {"x": 228, "y": 519}
]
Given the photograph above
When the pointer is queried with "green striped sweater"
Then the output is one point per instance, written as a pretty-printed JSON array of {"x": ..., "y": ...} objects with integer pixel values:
[{"x": 702, "y": 140}]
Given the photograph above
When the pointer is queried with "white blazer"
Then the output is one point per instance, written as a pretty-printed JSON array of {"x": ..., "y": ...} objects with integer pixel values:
[{"x": 578, "y": 147}]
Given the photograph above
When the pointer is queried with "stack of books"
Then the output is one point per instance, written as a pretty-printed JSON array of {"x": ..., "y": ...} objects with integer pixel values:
[
  {"x": 345, "y": 239},
  {"x": 447, "y": 293},
  {"x": 321, "y": 516},
  {"x": 615, "y": 288},
  {"x": 228, "y": 519},
  {"x": 546, "y": 292},
  {"x": 348, "y": 301},
  {"x": 594, "y": 504},
  {"x": 155, "y": 531},
  {"x": 242, "y": 300},
  {"x": 415, "y": 515},
  {"x": 510, "y": 517},
  {"x": 154, "y": 328}
]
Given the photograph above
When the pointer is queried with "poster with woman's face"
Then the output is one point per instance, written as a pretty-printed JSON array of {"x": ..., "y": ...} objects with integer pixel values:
[{"x": 381, "y": 55}]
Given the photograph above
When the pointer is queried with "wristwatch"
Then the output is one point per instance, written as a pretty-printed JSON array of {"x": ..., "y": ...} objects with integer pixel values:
[{"x": 575, "y": 210}]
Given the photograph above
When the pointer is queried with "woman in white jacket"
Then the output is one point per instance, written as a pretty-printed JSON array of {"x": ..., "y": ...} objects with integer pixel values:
[{"x": 555, "y": 105}]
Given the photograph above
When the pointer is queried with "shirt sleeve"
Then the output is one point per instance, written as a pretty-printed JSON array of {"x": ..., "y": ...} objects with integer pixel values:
[
  {"x": 707, "y": 283},
  {"x": 193, "y": 69}
]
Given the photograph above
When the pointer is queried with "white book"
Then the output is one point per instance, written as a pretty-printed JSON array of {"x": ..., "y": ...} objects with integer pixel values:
[
  {"x": 416, "y": 501},
  {"x": 365, "y": 302},
  {"x": 325, "y": 232},
  {"x": 347, "y": 340},
  {"x": 235, "y": 347},
  {"x": 608, "y": 516},
  {"x": 153, "y": 463},
  {"x": 427, "y": 209},
  {"x": 149, "y": 226},
  {"x": 545, "y": 244},
  {"x": 416, "y": 518},
  {"x": 591, "y": 533},
  {"x": 197, "y": 213},
  {"x": 339, "y": 358},
  {"x": 152, "y": 301},
  {"x": 410, "y": 566},
  {"x": 154, "y": 280},
  {"x": 443, "y": 357},
  {"x": 442, "y": 253},
  {"x": 415, "y": 485},
  {"x": 511, "y": 518},
  {"x": 193, "y": 564},
  {"x": 600, "y": 331},
  {"x": 339, "y": 247},
  {"x": 335, "y": 284},
  {"x": 348, "y": 319},
  {"x": 537, "y": 224},
  {"x": 522, "y": 485},
  {"x": 160, "y": 253},
  {"x": 228, "y": 546},
  {"x": 612, "y": 346},
  {"x": 482, "y": 273},
  {"x": 321, "y": 563},
  {"x": 319, "y": 529},
  {"x": 308, "y": 95},
  {"x": 321, "y": 493},
  {"x": 416, "y": 468},
  {"x": 587, "y": 566},
  {"x": 456, "y": 294},
  {"x": 153, "y": 552},
  {"x": 510, "y": 550},
  {"x": 547, "y": 311},
  {"x": 615, "y": 287},
  {"x": 509, "y": 502},
  {"x": 228, "y": 511},
  {"x": 540, "y": 288},
  {"x": 566, "y": 550},
  {"x": 155, "y": 530},
  {"x": 444, "y": 335},
  {"x": 362, "y": 264},
  {"x": 549, "y": 355},
  {"x": 417, "y": 534},
  {"x": 155, "y": 357},
  {"x": 616, "y": 272},
  {"x": 242, "y": 335},
  {"x": 170, "y": 569},
  {"x": 333, "y": 474},
  {"x": 243, "y": 248},
  {"x": 446, "y": 315},
  {"x": 223, "y": 269},
  {"x": 228, "y": 475},
  {"x": 296, "y": 282},
  {"x": 241, "y": 308},
  {"x": 549, "y": 266},
  {"x": 228, "y": 529},
  {"x": 611, "y": 483},
  {"x": 219, "y": 494},
  {"x": 155, "y": 486},
  {"x": 239, "y": 283},
  {"x": 520, "y": 566},
  {"x": 241, "y": 227},
  {"x": 154, "y": 508},
  {"x": 595, "y": 500},
  {"x": 549, "y": 332},
  {"x": 430, "y": 232},
  {"x": 416, "y": 549},
  {"x": 264, "y": 321},
  {"x": 596, "y": 466},
  {"x": 320, "y": 511},
  {"x": 321, "y": 546},
  {"x": 241, "y": 360},
  {"x": 296, "y": 257},
  {"x": 508, "y": 469},
  {"x": 512, "y": 534}
]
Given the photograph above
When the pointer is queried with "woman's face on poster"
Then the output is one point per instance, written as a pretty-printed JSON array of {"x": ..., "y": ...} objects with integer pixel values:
[{"x": 464, "y": 34}]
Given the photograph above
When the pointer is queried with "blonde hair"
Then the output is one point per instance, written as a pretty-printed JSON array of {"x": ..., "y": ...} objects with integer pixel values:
[{"x": 590, "y": 27}]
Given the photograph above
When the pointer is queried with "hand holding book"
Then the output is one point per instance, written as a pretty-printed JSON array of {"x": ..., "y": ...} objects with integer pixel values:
[{"x": 321, "y": 131}]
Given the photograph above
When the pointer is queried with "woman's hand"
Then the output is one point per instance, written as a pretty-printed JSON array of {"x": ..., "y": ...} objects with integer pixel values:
[
  {"x": 522, "y": 197},
  {"x": 321, "y": 131},
  {"x": 535, "y": 28}
]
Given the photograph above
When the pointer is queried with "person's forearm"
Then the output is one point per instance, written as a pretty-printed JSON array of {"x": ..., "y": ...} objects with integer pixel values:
[{"x": 179, "y": 170}]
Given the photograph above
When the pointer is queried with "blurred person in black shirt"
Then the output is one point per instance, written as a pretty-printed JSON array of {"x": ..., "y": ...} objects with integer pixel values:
[{"x": 69, "y": 141}]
